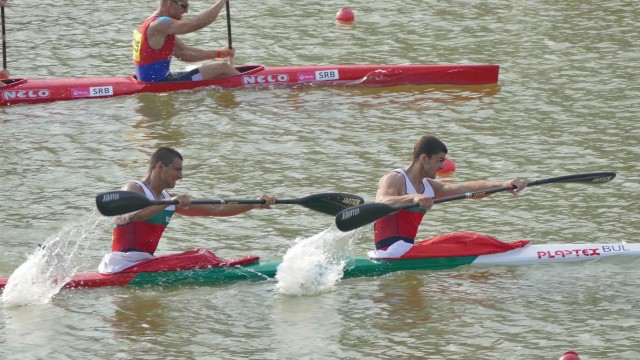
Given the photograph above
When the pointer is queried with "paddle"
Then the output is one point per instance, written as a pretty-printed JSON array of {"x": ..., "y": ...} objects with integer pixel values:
[
  {"x": 122, "y": 202},
  {"x": 4, "y": 40},
  {"x": 229, "y": 31},
  {"x": 353, "y": 218}
]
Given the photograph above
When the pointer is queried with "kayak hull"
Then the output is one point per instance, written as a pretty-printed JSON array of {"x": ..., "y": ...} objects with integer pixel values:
[
  {"x": 32, "y": 91},
  {"x": 250, "y": 269}
]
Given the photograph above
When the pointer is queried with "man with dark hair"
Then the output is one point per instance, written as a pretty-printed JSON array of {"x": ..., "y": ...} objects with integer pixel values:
[
  {"x": 136, "y": 235},
  {"x": 155, "y": 43},
  {"x": 395, "y": 234}
]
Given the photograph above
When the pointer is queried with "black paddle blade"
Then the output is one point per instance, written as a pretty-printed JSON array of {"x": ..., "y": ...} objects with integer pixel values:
[
  {"x": 588, "y": 178},
  {"x": 353, "y": 218},
  {"x": 597, "y": 178},
  {"x": 114, "y": 203},
  {"x": 331, "y": 203}
]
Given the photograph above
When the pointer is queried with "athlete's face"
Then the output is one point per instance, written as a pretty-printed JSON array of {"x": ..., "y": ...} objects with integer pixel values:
[
  {"x": 171, "y": 173},
  {"x": 431, "y": 165},
  {"x": 179, "y": 7}
]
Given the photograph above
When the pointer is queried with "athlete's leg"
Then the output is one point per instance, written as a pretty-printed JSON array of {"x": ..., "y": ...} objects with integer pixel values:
[{"x": 217, "y": 69}]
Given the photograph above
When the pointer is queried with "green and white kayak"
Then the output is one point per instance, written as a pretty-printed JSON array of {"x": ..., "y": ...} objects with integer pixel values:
[{"x": 251, "y": 269}]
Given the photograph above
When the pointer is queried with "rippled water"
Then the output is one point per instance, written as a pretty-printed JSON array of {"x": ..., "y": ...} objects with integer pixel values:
[{"x": 566, "y": 103}]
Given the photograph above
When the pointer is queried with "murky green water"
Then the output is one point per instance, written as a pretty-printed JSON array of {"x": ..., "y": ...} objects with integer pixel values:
[{"x": 567, "y": 103}]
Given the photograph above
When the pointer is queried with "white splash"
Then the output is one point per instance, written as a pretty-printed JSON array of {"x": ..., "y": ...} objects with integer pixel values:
[
  {"x": 315, "y": 264},
  {"x": 52, "y": 264}
]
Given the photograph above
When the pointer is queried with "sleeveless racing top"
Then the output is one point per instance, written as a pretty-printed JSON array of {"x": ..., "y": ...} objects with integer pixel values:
[
  {"x": 143, "y": 235},
  {"x": 151, "y": 65},
  {"x": 402, "y": 225}
]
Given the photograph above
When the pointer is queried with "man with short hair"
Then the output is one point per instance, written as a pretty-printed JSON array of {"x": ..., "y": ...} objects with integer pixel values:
[
  {"x": 395, "y": 234},
  {"x": 137, "y": 235},
  {"x": 155, "y": 43}
]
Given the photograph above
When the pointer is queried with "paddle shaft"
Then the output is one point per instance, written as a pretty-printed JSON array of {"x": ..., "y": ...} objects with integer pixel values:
[
  {"x": 229, "y": 25},
  {"x": 353, "y": 218},
  {"x": 4, "y": 40},
  {"x": 605, "y": 177},
  {"x": 582, "y": 178},
  {"x": 220, "y": 201},
  {"x": 114, "y": 203},
  {"x": 468, "y": 195},
  {"x": 229, "y": 30}
]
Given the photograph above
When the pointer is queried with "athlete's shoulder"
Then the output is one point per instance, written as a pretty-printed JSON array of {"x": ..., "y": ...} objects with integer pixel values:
[
  {"x": 392, "y": 180},
  {"x": 133, "y": 186},
  {"x": 393, "y": 174}
]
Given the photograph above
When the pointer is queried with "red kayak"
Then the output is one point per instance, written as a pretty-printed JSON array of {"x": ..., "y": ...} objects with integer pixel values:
[
  {"x": 32, "y": 91},
  {"x": 186, "y": 265}
]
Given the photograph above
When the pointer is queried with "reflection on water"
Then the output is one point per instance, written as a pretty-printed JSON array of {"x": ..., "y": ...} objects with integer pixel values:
[
  {"x": 401, "y": 296},
  {"x": 23, "y": 333},
  {"x": 156, "y": 107},
  {"x": 139, "y": 316},
  {"x": 227, "y": 100},
  {"x": 415, "y": 94},
  {"x": 294, "y": 323},
  {"x": 157, "y": 112}
]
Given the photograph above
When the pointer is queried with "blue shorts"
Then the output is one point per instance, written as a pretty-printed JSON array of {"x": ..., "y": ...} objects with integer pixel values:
[{"x": 191, "y": 75}]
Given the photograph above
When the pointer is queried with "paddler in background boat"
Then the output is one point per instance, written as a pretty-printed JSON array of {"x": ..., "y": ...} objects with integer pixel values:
[
  {"x": 155, "y": 43},
  {"x": 136, "y": 235},
  {"x": 395, "y": 234}
]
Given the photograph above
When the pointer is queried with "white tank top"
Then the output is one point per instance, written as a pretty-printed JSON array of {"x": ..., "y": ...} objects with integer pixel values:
[
  {"x": 428, "y": 190},
  {"x": 150, "y": 195}
]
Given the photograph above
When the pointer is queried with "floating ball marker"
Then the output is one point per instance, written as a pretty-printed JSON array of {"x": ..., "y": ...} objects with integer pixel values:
[
  {"x": 345, "y": 15},
  {"x": 449, "y": 166},
  {"x": 570, "y": 355}
]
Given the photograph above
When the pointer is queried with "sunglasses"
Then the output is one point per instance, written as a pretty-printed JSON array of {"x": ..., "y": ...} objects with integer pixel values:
[{"x": 182, "y": 5}]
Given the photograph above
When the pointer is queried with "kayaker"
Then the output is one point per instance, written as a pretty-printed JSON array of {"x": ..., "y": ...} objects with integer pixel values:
[
  {"x": 395, "y": 234},
  {"x": 136, "y": 235},
  {"x": 155, "y": 43}
]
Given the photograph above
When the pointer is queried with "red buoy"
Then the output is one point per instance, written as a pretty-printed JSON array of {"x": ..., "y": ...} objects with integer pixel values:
[
  {"x": 345, "y": 15},
  {"x": 449, "y": 166},
  {"x": 570, "y": 355}
]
